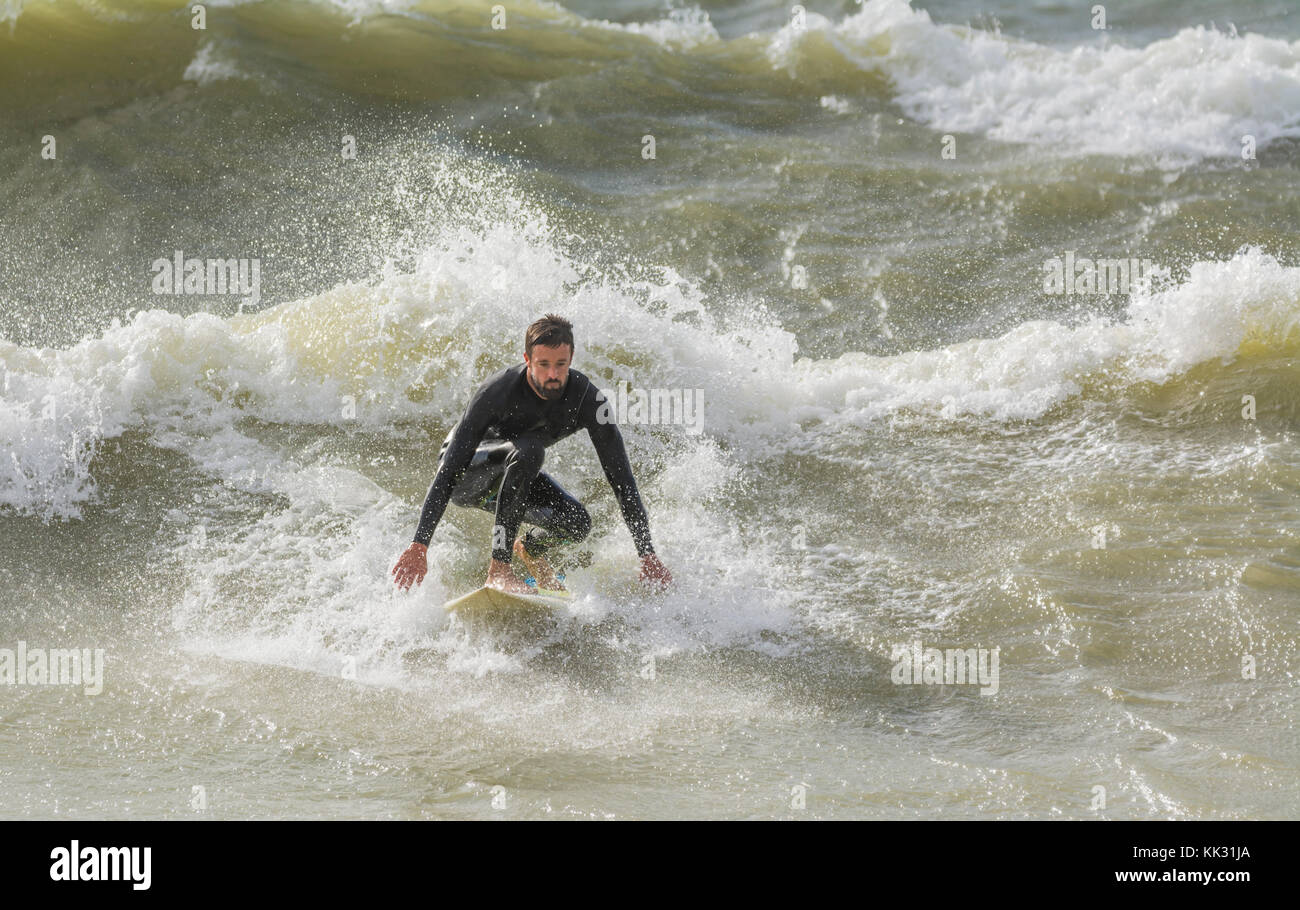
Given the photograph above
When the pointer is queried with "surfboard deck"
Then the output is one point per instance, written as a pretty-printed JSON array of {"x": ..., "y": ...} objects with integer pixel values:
[{"x": 496, "y": 599}]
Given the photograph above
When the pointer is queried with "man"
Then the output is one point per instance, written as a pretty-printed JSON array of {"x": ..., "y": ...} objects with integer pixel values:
[{"x": 492, "y": 460}]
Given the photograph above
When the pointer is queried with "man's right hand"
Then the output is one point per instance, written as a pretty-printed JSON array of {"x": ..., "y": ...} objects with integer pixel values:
[{"x": 412, "y": 565}]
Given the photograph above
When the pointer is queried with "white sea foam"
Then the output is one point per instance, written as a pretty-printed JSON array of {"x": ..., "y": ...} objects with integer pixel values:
[
  {"x": 209, "y": 65},
  {"x": 682, "y": 28},
  {"x": 1183, "y": 98},
  {"x": 10, "y": 10},
  {"x": 1039, "y": 364}
]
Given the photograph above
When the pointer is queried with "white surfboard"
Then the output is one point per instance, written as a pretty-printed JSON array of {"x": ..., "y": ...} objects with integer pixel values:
[{"x": 495, "y": 599}]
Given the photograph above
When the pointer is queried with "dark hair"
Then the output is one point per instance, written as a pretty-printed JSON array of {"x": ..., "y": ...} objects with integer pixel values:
[{"x": 550, "y": 331}]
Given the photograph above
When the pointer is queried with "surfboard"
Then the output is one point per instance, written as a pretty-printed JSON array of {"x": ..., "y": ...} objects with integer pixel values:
[{"x": 496, "y": 599}]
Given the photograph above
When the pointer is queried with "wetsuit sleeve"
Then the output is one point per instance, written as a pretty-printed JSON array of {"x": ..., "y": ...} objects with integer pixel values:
[
  {"x": 464, "y": 441},
  {"x": 618, "y": 471}
]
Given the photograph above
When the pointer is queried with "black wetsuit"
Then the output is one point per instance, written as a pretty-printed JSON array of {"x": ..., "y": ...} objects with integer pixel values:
[{"x": 515, "y": 425}]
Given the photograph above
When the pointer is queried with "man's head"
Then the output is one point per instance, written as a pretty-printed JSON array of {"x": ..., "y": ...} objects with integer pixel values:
[{"x": 548, "y": 352}]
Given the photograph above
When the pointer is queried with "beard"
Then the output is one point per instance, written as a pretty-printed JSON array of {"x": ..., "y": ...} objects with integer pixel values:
[{"x": 550, "y": 392}]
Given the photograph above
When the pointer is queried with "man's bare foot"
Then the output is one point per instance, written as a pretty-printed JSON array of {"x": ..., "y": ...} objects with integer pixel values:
[
  {"x": 501, "y": 578},
  {"x": 539, "y": 567}
]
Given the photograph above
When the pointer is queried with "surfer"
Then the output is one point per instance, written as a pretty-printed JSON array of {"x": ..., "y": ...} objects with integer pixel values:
[{"x": 492, "y": 460}]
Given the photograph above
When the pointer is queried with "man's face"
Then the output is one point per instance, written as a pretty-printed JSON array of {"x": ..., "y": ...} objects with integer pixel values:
[{"x": 548, "y": 369}]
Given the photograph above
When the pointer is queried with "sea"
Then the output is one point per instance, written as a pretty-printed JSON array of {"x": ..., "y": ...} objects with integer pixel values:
[{"x": 991, "y": 509}]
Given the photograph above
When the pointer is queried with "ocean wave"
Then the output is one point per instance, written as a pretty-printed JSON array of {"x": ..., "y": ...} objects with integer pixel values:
[
  {"x": 1191, "y": 96},
  {"x": 1249, "y": 303},
  {"x": 412, "y": 345}
]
